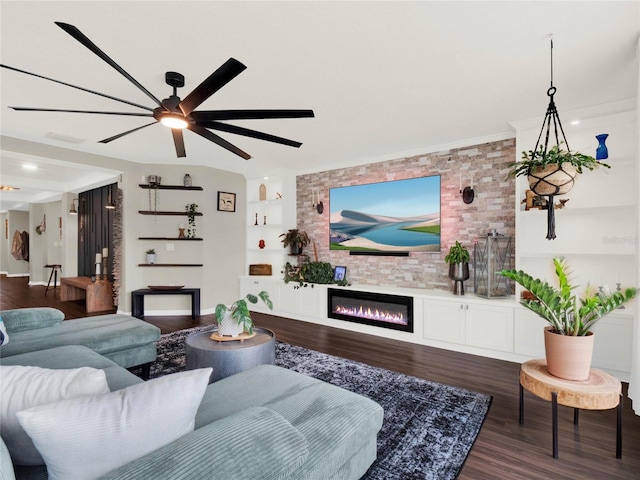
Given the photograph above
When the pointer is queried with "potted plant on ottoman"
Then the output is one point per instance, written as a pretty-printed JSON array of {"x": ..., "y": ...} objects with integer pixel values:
[
  {"x": 296, "y": 240},
  {"x": 568, "y": 338},
  {"x": 236, "y": 318},
  {"x": 458, "y": 260}
]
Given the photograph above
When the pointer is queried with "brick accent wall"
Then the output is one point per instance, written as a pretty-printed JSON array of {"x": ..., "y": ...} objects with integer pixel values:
[{"x": 493, "y": 208}]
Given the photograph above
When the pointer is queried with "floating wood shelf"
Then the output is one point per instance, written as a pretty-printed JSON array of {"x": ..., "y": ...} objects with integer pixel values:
[
  {"x": 170, "y": 238},
  {"x": 170, "y": 265},
  {"x": 168, "y": 187},
  {"x": 151, "y": 212}
]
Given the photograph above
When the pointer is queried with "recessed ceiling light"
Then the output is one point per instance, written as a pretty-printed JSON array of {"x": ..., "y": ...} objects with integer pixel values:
[
  {"x": 575, "y": 122},
  {"x": 29, "y": 166}
]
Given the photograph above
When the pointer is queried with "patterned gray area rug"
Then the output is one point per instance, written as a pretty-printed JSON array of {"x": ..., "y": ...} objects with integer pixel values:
[{"x": 428, "y": 430}]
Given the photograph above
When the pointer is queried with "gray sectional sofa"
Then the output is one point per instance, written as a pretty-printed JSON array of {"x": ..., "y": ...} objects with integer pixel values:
[{"x": 264, "y": 423}]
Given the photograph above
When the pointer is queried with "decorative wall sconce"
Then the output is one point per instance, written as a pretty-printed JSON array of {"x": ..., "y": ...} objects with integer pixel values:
[
  {"x": 316, "y": 202},
  {"x": 468, "y": 194},
  {"x": 73, "y": 210}
]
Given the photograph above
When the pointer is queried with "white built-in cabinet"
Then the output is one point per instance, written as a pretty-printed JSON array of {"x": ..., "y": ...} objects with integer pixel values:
[{"x": 496, "y": 328}]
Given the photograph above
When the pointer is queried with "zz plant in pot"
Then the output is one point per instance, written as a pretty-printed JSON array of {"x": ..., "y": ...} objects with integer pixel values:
[
  {"x": 458, "y": 260},
  {"x": 235, "y": 319},
  {"x": 570, "y": 318}
]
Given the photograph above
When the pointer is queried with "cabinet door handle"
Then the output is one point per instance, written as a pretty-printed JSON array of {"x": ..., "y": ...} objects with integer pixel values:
[
  {"x": 466, "y": 307},
  {"x": 461, "y": 306}
]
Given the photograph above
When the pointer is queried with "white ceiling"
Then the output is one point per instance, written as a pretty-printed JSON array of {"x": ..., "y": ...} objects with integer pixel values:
[{"x": 385, "y": 79}]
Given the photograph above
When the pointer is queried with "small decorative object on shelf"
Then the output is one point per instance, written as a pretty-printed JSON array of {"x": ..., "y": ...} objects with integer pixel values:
[
  {"x": 154, "y": 180},
  {"x": 264, "y": 220},
  {"x": 187, "y": 180},
  {"x": 262, "y": 192},
  {"x": 296, "y": 240},
  {"x": 191, "y": 209},
  {"x": 491, "y": 255},
  {"x": 261, "y": 244},
  {"x": 256, "y": 219},
  {"x": 151, "y": 256},
  {"x": 602, "y": 151},
  {"x": 181, "y": 231}
]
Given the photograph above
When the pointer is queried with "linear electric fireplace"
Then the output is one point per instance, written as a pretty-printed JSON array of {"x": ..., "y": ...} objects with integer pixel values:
[{"x": 378, "y": 309}]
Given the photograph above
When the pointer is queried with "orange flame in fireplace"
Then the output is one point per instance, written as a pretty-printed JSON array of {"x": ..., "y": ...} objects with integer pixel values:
[{"x": 372, "y": 314}]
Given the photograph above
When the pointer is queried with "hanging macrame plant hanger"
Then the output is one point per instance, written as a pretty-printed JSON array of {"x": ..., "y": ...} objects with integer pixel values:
[{"x": 558, "y": 181}]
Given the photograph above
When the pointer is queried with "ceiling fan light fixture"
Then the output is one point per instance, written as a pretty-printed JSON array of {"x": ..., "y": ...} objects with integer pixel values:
[{"x": 174, "y": 121}]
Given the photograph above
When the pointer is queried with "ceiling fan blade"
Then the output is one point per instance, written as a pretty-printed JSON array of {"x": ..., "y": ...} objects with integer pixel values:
[
  {"x": 178, "y": 141},
  {"x": 128, "y": 114},
  {"x": 204, "y": 115},
  {"x": 115, "y": 137},
  {"x": 218, "y": 79},
  {"x": 79, "y": 88},
  {"x": 203, "y": 132},
  {"x": 249, "y": 133},
  {"x": 84, "y": 40}
]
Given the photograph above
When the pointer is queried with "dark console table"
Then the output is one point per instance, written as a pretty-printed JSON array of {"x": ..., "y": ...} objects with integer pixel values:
[{"x": 137, "y": 299}]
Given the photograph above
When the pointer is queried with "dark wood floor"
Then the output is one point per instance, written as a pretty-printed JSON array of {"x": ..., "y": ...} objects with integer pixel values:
[{"x": 503, "y": 450}]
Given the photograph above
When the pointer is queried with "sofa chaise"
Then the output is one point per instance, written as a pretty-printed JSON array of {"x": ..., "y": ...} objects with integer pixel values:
[
  {"x": 264, "y": 423},
  {"x": 127, "y": 341}
]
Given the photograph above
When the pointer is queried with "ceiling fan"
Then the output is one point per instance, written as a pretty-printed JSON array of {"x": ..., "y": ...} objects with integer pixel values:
[{"x": 179, "y": 114}]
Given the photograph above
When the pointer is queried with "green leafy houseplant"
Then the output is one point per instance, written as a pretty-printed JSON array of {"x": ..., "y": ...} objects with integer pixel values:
[
  {"x": 310, "y": 273},
  {"x": 534, "y": 160},
  {"x": 151, "y": 251},
  {"x": 296, "y": 240},
  {"x": 240, "y": 310},
  {"x": 458, "y": 253},
  {"x": 565, "y": 312}
]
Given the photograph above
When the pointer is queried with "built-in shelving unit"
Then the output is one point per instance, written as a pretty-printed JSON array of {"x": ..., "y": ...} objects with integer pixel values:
[
  {"x": 266, "y": 220},
  {"x": 162, "y": 225}
]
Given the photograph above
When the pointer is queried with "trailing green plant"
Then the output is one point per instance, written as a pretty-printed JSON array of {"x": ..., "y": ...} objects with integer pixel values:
[
  {"x": 564, "y": 311},
  {"x": 191, "y": 209},
  {"x": 538, "y": 159},
  {"x": 458, "y": 253},
  {"x": 240, "y": 309},
  {"x": 310, "y": 273}
]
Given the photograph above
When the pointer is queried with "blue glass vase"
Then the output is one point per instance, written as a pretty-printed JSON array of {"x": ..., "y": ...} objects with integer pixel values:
[{"x": 601, "y": 150}]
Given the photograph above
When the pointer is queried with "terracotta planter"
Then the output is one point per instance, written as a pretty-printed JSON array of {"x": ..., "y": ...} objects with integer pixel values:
[
  {"x": 228, "y": 327},
  {"x": 552, "y": 180},
  {"x": 568, "y": 357}
]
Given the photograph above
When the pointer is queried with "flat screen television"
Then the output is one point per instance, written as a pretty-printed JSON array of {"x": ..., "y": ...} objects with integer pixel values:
[{"x": 393, "y": 216}]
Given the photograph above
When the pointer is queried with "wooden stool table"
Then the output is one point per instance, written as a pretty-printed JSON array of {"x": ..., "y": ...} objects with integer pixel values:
[
  {"x": 600, "y": 391},
  {"x": 54, "y": 274},
  {"x": 98, "y": 295}
]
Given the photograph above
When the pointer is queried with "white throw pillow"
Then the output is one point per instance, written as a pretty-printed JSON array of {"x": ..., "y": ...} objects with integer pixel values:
[
  {"x": 85, "y": 438},
  {"x": 23, "y": 387}
]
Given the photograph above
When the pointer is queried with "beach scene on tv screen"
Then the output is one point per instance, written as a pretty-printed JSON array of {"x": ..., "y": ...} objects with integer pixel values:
[{"x": 398, "y": 215}]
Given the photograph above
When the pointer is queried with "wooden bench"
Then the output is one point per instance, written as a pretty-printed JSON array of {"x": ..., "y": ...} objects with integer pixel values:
[{"x": 98, "y": 294}]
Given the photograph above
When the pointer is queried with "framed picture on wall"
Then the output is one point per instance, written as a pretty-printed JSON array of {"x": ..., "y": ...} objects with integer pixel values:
[{"x": 226, "y": 202}]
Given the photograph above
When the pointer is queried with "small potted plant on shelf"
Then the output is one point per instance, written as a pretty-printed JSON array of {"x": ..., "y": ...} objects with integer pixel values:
[
  {"x": 296, "y": 240},
  {"x": 569, "y": 337},
  {"x": 553, "y": 172},
  {"x": 235, "y": 319},
  {"x": 151, "y": 256},
  {"x": 458, "y": 260},
  {"x": 191, "y": 209}
]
